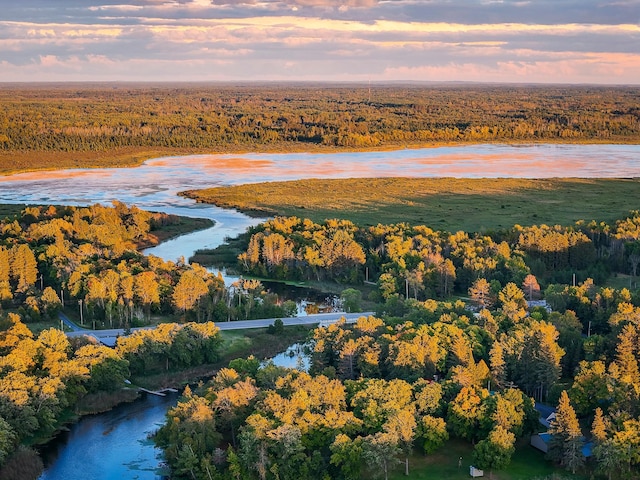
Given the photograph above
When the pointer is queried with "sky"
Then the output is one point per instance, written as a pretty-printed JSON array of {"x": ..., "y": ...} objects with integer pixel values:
[{"x": 534, "y": 41}]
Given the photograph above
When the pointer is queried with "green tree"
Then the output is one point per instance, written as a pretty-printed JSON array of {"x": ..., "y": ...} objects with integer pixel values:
[
  {"x": 432, "y": 431},
  {"x": 346, "y": 454},
  {"x": 494, "y": 452},
  {"x": 466, "y": 411},
  {"x": 380, "y": 452},
  {"x": 8, "y": 440},
  {"x": 351, "y": 299},
  {"x": 591, "y": 386}
]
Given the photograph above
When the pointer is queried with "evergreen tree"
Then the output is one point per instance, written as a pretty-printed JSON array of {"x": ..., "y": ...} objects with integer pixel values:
[
  {"x": 599, "y": 427},
  {"x": 566, "y": 442},
  {"x": 23, "y": 267},
  {"x": 626, "y": 355},
  {"x": 5, "y": 275},
  {"x": 498, "y": 365}
]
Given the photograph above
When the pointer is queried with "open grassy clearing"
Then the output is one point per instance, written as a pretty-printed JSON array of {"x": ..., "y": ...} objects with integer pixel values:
[
  {"x": 442, "y": 203},
  {"x": 527, "y": 463}
]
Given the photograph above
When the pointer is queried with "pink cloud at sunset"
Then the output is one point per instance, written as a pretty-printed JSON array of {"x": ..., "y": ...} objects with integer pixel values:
[{"x": 590, "y": 41}]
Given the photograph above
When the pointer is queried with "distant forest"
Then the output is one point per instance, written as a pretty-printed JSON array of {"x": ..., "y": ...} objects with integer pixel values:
[{"x": 130, "y": 120}]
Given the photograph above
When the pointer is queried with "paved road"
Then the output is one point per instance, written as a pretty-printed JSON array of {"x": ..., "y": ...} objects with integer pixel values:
[
  {"x": 69, "y": 324},
  {"x": 109, "y": 336}
]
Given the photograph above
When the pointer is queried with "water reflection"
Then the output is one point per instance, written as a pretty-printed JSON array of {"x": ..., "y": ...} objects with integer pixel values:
[
  {"x": 110, "y": 445},
  {"x": 293, "y": 357},
  {"x": 115, "y": 445}
]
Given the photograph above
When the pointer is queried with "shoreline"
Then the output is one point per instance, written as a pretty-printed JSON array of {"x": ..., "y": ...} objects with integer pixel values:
[{"x": 136, "y": 158}]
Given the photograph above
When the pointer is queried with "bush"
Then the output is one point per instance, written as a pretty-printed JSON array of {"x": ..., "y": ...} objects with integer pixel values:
[
  {"x": 24, "y": 464},
  {"x": 276, "y": 328}
]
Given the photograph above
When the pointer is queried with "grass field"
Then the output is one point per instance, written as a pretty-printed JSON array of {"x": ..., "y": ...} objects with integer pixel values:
[
  {"x": 10, "y": 210},
  {"x": 527, "y": 463},
  {"x": 452, "y": 204}
]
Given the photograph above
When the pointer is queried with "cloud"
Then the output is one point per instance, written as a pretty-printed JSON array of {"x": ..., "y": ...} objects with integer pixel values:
[{"x": 536, "y": 40}]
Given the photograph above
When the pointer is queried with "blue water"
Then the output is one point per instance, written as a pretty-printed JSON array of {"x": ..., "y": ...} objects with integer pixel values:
[{"x": 111, "y": 445}]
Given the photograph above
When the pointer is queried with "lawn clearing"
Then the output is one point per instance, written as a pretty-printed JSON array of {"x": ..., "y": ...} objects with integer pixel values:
[{"x": 527, "y": 464}]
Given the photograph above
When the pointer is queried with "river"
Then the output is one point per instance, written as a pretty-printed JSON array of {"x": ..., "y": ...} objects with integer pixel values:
[
  {"x": 115, "y": 444},
  {"x": 111, "y": 445}
]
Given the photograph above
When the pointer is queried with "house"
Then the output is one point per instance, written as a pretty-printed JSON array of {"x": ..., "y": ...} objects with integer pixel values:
[
  {"x": 539, "y": 303},
  {"x": 541, "y": 442}
]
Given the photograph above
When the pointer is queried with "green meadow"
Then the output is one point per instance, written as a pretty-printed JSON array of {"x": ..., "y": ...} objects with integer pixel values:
[{"x": 452, "y": 204}]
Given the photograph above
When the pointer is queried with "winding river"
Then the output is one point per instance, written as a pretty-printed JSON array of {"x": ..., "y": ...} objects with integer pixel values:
[
  {"x": 155, "y": 184},
  {"x": 115, "y": 444}
]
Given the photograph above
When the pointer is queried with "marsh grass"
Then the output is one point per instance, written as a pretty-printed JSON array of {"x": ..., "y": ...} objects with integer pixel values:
[
  {"x": 452, "y": 204},
  {"x": 10, "y": 211}
]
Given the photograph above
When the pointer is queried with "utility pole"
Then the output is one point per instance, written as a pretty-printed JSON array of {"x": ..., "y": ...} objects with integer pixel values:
[{"x": 81, "y": 317}]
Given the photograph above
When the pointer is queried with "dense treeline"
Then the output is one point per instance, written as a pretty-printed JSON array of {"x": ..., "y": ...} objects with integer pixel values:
[
  {"x": 43, "y": 378},
  {"x": 379, "y": 390},
  {"x": 88, "y": 256},
  {"x": 423, "y": 370},
  {"x": 338, "y": 424},
  {"x": 419, "y": 262},
  {"x": 91, "y": 118}
]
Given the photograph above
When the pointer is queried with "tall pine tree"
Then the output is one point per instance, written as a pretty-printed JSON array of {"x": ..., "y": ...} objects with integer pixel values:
[{"x": 565, "y": 446}]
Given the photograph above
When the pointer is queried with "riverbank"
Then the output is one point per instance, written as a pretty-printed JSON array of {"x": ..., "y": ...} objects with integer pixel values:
[
  {"x": 15, "y": 162},
  {"x": 167, "y": 227},
  {"x": 236, "y": 344}
]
